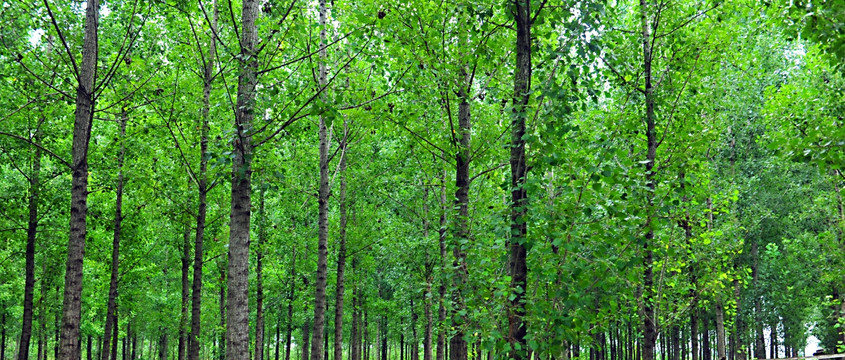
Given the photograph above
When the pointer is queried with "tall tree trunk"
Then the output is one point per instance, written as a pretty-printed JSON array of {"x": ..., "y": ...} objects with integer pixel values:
[
  {"x": 3, "y": 333},
  {"x": 72, "y": 303},
  {"x": 237, "y": 325},
  {"x": 306, "y": 337},
  {"x": 441, "y": 311},
  {"x": 291, "y": 295},
  {"x": 162, "y": 344},
  {"x": 457, "y": 344},
  {"x": 517, "y": 267},
  {"x": 42, "y": 314},
  {"x": 759, "y": 339},
  {"x": 323, "y": 204},
  {"x": 341, "y": 252},
  {"x": 221, "y": 347},
  {"x": 259, "y": 282},
  {"x": 202, "y": 192},
  {"x": 118, "y": 219},
  {"x": 691, "y": 270},
  {"x": 739, "y": 327},
  {"x": 706, "y": 352},
  {"x": 355, "y": 342},
  {"x": 649, "y": 327},
  {"x": 186, "y": 293},
  {"x": 278, "y": 333},
  {"x": 720, "y": 329},
  {"x": 31, "y": 231},
  {"x": 114, "y": 335},
  {"x": 414, "y": 351}
]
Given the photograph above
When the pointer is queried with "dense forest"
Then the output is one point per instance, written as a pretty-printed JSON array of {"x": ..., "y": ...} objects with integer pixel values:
[{"x": 406, "y": 180}]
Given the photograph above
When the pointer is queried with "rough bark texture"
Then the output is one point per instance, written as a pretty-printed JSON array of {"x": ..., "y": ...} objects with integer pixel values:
[
  {"x": 306, "y": 337},
  {"x": 72, "y": 301},
  {"x": 441, "y": 311},
  {"x": 457, "y": 344},
  {"x": 259, "y": 282},
  {"x": 115, "y": 255},
  {"x": 31, "y": 231},
  {"x": 649, "y": 327},
  {"x": 519, "y": 201},
  {"x": 202, "y": 191},
  {"x": 341, "y": 252},
  {"x": 237, "y": 325},
  {"x": 186, "y": 293},
  {"x": 323, "y": 203}
]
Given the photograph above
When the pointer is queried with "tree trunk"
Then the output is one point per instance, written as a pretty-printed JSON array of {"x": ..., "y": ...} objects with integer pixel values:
[
  {"x": 355, "y": 342},
  {"x": 72, "y": 303},
  {"x": 3, "y": 333},
  {"x": 517, "y": 267},
  {"x": 738, "y": 325},
  {"x": 114, "y": 335},
  {"x": 649, "y": 326},
  {"x": 341, "y": 252},
  {"x": 31, "y": 231},
  {"x": 441, "y": 311},
  {"x": 221, "y": 351},
  {"x": 237, "y": 324},
  {"x": 291, "y": 294},
  {"x": 323, "y": 204},
  {"x": 259, "y": 282},
  {"x": 162, "y": 345},
  {"x": 306, "y": 337},
  {"x": 414, "y": 350},
  {"x": 720, "y": 330},
  {"x": 202, "y": 191},
  {"x": 186, "y": 293},
  {"x": 118, "y": 219},
  {"x": 759, "y": 339},
  {"x": 457, "y": 344}
]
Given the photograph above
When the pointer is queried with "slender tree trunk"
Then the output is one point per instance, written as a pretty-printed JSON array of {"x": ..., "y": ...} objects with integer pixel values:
[
  {"x": 706, "y": 352},
  {"x": 291, "y": 295},
  {"x": 649, "y": 326},
  {"x": 278, "y": 333},
  {"x": 259, "y": 282},
  {"x": 3, "y": 333},
  {"x": 341, "y": 252},
  {"x": 114, "y": 335},
  {"x": 414, "y": 350},
  {"x": 355, "y": 342},
  {"x": 72, "y": 303},
  {"x": 118, "y": 219},
  {"x": 691, "y": 270},
  {"x": 323, "y": 204},
  {"x": 31, "y": 231},
  {"x": 237, "y": 325},
  {"x": 441, "y": 311},
  {"x": 457, "y": 344},
  {"x": 221, "y": 350},
  {"x": 739, "y": 327},
  {"x": 720, "y": 329},
  {"x": 186, "y": 293},
  {"x": 517, "y": 267},
  {"x": 759, "y": 339},
  {"x": 202, "y": 192},
  {"x": 162, "y": 345},
  {"x": 306, "y": 337}
]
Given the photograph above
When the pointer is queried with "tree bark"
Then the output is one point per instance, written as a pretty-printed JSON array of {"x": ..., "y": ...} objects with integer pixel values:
[
  {"x": 341, "y": 252},
  {"x": 221, "y": 351},
  {"x": 441, "y": 312},
  {"x": 202, "y": 192},
  {"x": 759, "y": 339},
  {"x": 291, "y": 295},
  {"x": 720, "y": 330},
  {"x": 72, "y": 302},
  {"x": 323, "y": 204},
  {"x": 237, "y": 325},
  {"x": 649, "y": 327},
  {"x": 306, "y": 337},
  {"x": 519, "y": 200},
  {"x": 186, "y": 293},
  {"x": 31, "y": 231},
  {"x": 118, "y": 219},
  {"x": 259, "y": 282},
  {"x": 457, "y": 344}
]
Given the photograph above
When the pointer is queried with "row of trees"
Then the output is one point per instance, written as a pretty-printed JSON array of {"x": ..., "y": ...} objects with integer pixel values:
[{"x": 670, "y": 187}]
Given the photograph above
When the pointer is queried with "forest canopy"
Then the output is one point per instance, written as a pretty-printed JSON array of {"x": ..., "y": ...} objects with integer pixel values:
[{"x": 406, "y": 180}]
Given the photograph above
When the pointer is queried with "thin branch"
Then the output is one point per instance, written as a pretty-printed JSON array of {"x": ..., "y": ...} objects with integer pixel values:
[{"x": 52, "y": 154}]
